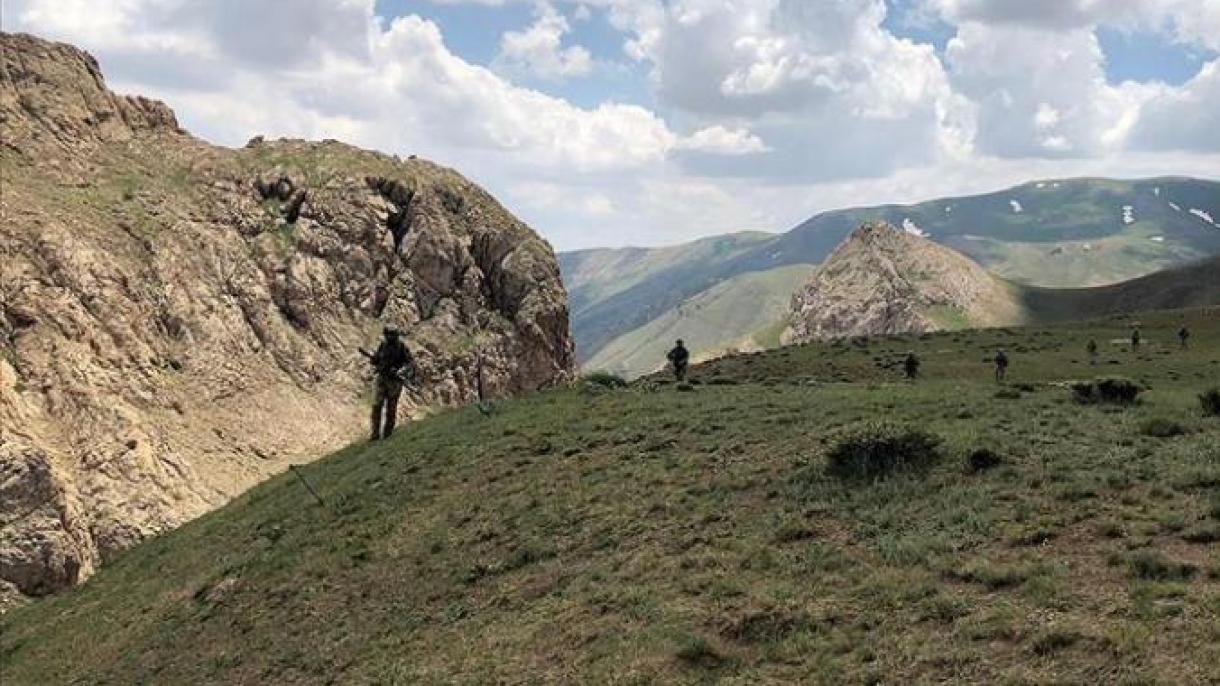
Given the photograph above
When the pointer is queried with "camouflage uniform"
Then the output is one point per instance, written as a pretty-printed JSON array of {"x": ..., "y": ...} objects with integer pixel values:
[{"x": 390, "y": 360}]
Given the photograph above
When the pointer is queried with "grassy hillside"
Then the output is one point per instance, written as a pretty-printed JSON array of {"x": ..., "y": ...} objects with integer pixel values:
[
  {"x": 651, "y": 534},
  {"x": 742, "y": 313},
  {"x": 614, "y": 290},
  {"x": 1066, "y": 234},
  {"x": 1195, "y": 285}
]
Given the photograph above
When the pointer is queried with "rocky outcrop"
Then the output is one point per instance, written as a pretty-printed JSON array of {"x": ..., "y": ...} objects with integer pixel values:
[
  {"x": 882, "y": 280},
  {"x": 179, "y": 321}
]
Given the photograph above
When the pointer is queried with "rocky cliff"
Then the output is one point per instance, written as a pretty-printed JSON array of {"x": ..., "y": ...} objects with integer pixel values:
[
  {"x": 178, "y": 320},
  {"x": 883, "y": 280}
]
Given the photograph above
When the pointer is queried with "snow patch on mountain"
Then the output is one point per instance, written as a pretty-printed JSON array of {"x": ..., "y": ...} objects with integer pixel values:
[{"x": 913, "y": 228}]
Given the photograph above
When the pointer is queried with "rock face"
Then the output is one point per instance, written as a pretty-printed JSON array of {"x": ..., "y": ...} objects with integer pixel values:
[
  {"x": 882, "y": 280},
  {"x": 179, "y": 321}
]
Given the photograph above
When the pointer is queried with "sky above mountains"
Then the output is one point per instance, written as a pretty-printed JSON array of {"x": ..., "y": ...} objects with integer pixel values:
[{"x": 614, "y": 122}]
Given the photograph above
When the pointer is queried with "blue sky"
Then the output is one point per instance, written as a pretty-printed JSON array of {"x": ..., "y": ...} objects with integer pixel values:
[{"x": 647, "y": 122}]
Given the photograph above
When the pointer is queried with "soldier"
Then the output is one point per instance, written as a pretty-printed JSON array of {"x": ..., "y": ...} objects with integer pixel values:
[
  {"x": 1136, "y": 338},
  {"x": 1001, "y": 366},
  {"x": 679, "y": 357},
  {"x": 391, "y": 362},
  {"x": 1184, "y": 336},
  {"x": 1092, "y": 348},
  {"x": 911, "y": 365}
]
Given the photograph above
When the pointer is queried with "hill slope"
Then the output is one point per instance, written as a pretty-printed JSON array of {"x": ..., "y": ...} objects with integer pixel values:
[
  {"x": 685, "y": 537},
  {"x": 616, "y": 290},
  {"x": 179, "y": 321},
  {"x": 752, "y": 303},
  {"x": 1064, "y": 234}
]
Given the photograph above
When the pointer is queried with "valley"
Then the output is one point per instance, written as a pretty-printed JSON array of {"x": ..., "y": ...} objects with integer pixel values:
[{"x": 1068, "y": 233}]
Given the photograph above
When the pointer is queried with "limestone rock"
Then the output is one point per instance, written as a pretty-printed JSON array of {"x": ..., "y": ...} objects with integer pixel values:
[
  {"x": 883, "y": 280},
  {"x": 179, "y": 321}
]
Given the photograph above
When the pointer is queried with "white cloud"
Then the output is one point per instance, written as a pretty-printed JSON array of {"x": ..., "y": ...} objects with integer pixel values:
[
  {"x": 1186, "y": 118},
  {"x": 765, "y": 110},
  {"x": 538, "y": 51},
  {"x": 722, "y": 141}
]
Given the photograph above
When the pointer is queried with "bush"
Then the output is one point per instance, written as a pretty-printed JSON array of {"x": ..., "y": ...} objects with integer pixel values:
[
  {"x": 604, "y": 380},
  {"x": 1210, "y": 400},
  {"x": 1160, "y": 427},
  {"x": 982, "y": 459},
  {"x": 1151, "y": 565},
  {"x": 1113, "y": 390},
  {"x": 874, "y": 450}
]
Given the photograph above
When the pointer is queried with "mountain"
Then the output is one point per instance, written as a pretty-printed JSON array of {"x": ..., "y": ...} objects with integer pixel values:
[
  {"x": 883, "y": 280},
  {"x": 752, "y": 303},
  {"x": 179, "y": 321},
  {"x": 614, "y": 291},
  {"x": 1056, "y": 233},
  {"x": 695, "y": 536}
]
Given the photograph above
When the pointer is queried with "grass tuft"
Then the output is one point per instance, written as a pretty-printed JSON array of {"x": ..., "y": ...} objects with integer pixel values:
[
  {"x": 1162, "y": 427},
  {"x": 1153, "y": 565},
  {"x": 1110, "y": 390},
  {"x": 1210, "y": 400},
  {"x": 876, "y": 449}
]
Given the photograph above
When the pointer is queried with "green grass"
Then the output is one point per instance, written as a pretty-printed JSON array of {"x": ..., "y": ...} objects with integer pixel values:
[
  {"x": 646, "y": 535},
  {"x": 745, "y": 312}
]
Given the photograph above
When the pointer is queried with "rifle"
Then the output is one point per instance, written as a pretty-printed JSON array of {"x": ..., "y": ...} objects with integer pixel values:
[{"x": 405, "y": 379}]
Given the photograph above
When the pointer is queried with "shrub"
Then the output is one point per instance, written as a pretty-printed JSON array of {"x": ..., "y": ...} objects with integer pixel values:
[
  {"x": 1054, "y": 640},
  {"x": 1151, "y": 565},
  {"x": 697, "y": 650},
  {"x": 604, "y": 380},
  {"x": 874, "y": 450},
  {"x": 1113, "y": 390},
  {"x": 1210, "y": 400},
  {"x": 982, "y": 459},
  {"x": 1160, "y": 427}
]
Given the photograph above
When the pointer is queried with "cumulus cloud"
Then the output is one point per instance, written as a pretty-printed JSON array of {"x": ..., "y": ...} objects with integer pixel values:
[
  {"x": 718, "y": 139},
  {"x": 538, "y": 51},
  {"x": 1039, "y": 93},
  {"x": 1185, "y": 119},
  {"x": 761, "y": 111}
]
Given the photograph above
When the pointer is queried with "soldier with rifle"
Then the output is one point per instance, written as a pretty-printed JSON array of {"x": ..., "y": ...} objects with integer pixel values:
[{"x": 395, "y": 368}]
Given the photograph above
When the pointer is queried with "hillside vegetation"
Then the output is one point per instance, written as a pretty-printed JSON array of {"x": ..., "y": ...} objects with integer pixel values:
[
  {"x": 695, "y": 534},
  {"x": 1056, "y": 233},
  {"x": 754, "y": 303}
]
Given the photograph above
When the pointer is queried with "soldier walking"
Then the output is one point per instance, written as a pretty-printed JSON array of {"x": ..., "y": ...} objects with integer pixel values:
[
  {"x": 911, "y": 365},
  {"x": 392, "y": 363},
  {"x": 678, "y": 358},
  {"x": 1001, "y": 366},
  {"x": 1184, "y": 336}
]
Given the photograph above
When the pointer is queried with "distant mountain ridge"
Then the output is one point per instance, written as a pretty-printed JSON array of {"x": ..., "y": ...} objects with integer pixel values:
[{"x": 1056, "y": 233}]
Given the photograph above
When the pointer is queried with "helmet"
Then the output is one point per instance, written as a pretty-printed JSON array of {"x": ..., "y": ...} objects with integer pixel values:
[{"x": 391, "y": 330}]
